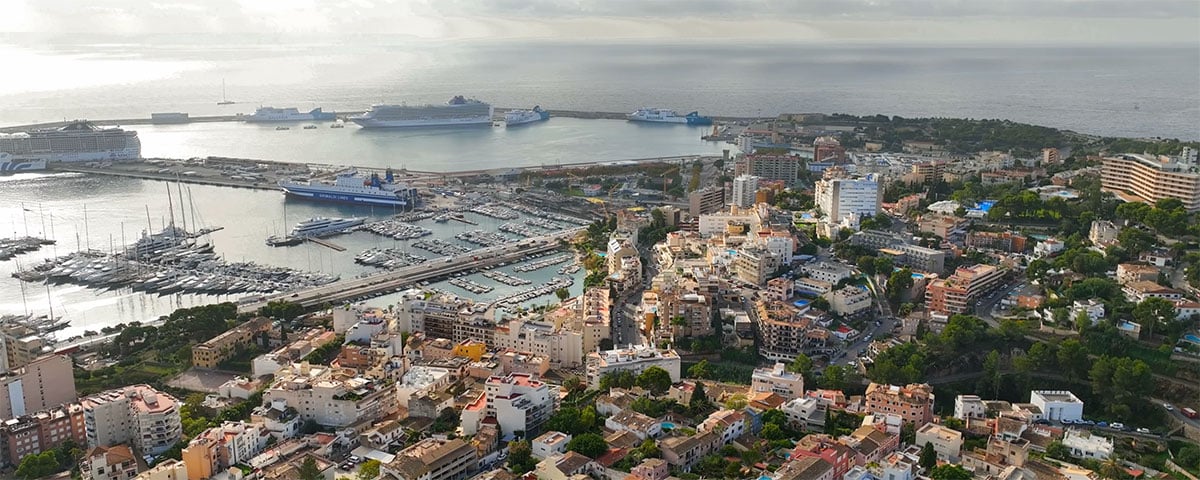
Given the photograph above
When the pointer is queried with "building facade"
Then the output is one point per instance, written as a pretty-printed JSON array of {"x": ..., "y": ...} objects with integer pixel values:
[{"x": 1148, "y": 179}]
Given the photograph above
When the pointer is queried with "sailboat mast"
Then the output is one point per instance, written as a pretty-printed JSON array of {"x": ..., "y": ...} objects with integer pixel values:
[
  {"x": 182, "y": 212},
  {"x": 171, "y": 208},
  {"x": 87, "y": 240}
]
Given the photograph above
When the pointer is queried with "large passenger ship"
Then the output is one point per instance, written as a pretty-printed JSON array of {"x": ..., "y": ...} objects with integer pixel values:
[
  {"x": 350, "y": 187},
  {"x": 290, "y": 114},
  {"x": 458, "y": 111},
  {"x": 662, "y": 115},
  {"x": 78, "y": 141}
]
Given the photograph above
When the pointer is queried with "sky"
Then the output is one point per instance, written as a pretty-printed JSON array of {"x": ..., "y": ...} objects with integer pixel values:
[{"x": 930, "y": 21}]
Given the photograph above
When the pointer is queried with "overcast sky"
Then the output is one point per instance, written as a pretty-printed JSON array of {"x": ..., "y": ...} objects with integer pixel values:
[{"x": 934, "y": 21}]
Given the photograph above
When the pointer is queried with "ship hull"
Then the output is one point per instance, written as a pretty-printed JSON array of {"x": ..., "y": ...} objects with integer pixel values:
[
  {"x": 527, "y": 119},
  {"x": 8, "y": 166},
  {"x": 479, "y": 120},
  {"x": 322, "y": 195},
  {"x": 674, "y": 120},
  {"x": 291, "y": 118},
  {"x": 128, "y": 153}
]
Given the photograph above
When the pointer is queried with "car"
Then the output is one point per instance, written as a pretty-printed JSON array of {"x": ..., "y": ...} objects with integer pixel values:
[
  {"x": 1041, "y": 421},
  {"x": 1102, "y": 424},
  {"x": 1169, "y": 407},
  {"x": 1143, "y": 430},
  {"x": 1067, "y": 421},
  {"x": 1117, "y": 426}
]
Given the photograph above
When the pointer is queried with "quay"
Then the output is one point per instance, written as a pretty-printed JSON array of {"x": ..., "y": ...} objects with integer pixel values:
[
  {"x": 326, "y": 244},
  {"x": 395, "y": 280},
  {"x": 499, "y": 112}
]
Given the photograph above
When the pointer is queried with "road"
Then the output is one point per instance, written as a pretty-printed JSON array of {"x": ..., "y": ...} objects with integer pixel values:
[{"x": 394, "y": 280}]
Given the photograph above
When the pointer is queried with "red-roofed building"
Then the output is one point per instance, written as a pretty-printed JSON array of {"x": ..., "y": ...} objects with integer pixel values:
[{"x": 517, "y": 402}]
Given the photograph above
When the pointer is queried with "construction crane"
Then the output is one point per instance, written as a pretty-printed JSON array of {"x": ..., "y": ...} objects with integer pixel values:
[{"x": 664, "y": 179}]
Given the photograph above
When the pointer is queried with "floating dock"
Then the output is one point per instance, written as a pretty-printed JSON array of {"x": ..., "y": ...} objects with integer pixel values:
[{"x": 326, "y": 243}]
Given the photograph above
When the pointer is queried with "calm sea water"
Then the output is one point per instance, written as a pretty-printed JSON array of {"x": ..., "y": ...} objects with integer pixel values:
[
  {"x": 99, "y": 212},
  {"x": 1137, "y": 91}
]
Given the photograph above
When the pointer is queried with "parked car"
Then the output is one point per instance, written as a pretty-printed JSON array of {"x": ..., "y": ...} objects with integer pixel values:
[
  {"x": 1169, "y": 407},
  {"x": 1143, "y": 430},
  {"x": 1118, "y": 426}
]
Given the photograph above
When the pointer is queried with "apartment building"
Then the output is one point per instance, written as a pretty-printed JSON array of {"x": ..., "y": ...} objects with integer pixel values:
[
  {"x": 947, "y": 442},
  {"x": 563, "y": 347},
  {"x": 1132, "y": 272},
  {"x": 519, "y": 402},
  {"x": 827, "y": 271},
  {"x": 1148, "y": 179},
  {"x": 744, "y": 189},
  {"x": 42, "y": 383},
  {"x": 1137, "y": 291},
  {"x": 828, "y": 149},
  {"x": 785, "y": 168},
  {"x": 787, "y": 331},
  {"x": 913, "y": 403},
  {"x": 433, "y": 459},
  {"x": 811, "y": 286},
  {"x": 776, "y": 379},
  {"x": 1085, "y": 444},
  {"x": 968, "y": 407},
  {"x": 21, "y": 345},
  {"x": 635, "y": 359},
  {"x": 1002, "y": 241},
  {"x": 108, "y": 463},
  {"x": 754, "y": 265},
  {"x": 211, "y": 353},
  {"x": 169, "y": 469},
  {"x": 336, "y": 398},
  {"x": 926, "y": 172},
  {"x": 436, "y": 316},
  {"x": 688, "y": 315},
  {"x": 1103, "y": 233},
  {"x": 849, "y": 301},
  {"x": 806, "y": 468},
  {"x": 41, "y": 431},
  {"x": 684, "y": 453},
  {"x": 221, "y": 447},
  {"x": 706, "y": 200},
  {"x": 716, "y": 223},
  {"x": 839, "y": 198},
  {"x": 642, "y": 426},
  {"x": 956, "y": 293},
  {"x": 137, "y": 415},
  {"x": 1057, "y": 405}
]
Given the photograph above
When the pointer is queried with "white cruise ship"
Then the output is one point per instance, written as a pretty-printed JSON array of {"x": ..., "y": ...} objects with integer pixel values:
[
  {"x": 8, "y": 165},
  {"x": 78, "y": 141},
  {"x": 520, "y": 117},
  {"x": 291, "y": 114},
  {"x": 321, "y": 226},
  {"x": 458, "y": 111}
]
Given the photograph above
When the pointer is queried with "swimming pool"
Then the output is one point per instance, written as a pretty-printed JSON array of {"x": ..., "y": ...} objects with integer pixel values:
[
  {"x": 668, "y": 426},
  {"x": 1192, "y": 338},
  {"x": 801, "y": 303}
]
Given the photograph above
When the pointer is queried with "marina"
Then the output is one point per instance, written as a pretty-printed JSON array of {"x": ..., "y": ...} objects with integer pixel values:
[
  {"x": 396, "y": 229},
  {"x": 440, "y": 247},
  {"x": 11, "y": 247},
  {"x": 470, "y": 286},
  {"x": 543, "y": 263},
  {"x": 506, "y": 278},
  {"x": 483, "y": 238},
  {"x": 535, "y": 292},
  {"x": 388, "y": 258}
]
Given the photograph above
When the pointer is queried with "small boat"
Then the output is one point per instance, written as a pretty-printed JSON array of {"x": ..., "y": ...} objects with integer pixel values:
[
  {"x": 283, "y": 128},
  {"x": 338, "y": 124},
  {"x": 310, "y": 127}
]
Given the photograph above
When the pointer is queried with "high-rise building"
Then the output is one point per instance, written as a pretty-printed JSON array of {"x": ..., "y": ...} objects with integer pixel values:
[
  {"x": 744, "y": 189},
  {"x": 838, "y": 198},
  {"x": 1148, "y": 179},
  {"x": 41, "y": 384},
  {"x": 517, "y": 402},
  {"x": 771, "y": 167},
  {"x": 1050, "y": 155},
  {"x": 927, "y": 172},
  {"x": 138, "y": 414},
  {"x": 706, "y": 200}
]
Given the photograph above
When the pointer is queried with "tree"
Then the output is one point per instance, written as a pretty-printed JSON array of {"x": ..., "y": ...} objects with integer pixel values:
[
  {"x": 866, "y": 263},
  {"x": 1056, "y": 449},
  {"x": 520, "y": 457},
  {"x": 310, "y": 427},
  {"x": 700, "y": 370},
  {"x": 655, "y": 379},
  {"x": 736, "y": 401},
  {"x": 898, "y": 284},
  {"x": 1073, "y": 359},
  {"x": 369, "y": 470},
  {"x": 950, "y": 472},
  {"x": 802, "y": 365},
  {"x": 883, "y": 265},
  {"x": 562, "y": 293},
  {"x": 699, "y": 400},
  {"x": 38, "y": 465},
  {"x": 587, "y": 419},
  {"x": 590, "y": 445},
  {"x": 772, "y": 431},
  {"x": 309, "y": 469},
  {"x": 928, "y": 456},
  {"x": 1152, "y": 312}
]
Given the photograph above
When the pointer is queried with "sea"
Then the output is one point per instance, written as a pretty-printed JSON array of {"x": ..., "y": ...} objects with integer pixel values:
[{"x": 1120, "y": 91}]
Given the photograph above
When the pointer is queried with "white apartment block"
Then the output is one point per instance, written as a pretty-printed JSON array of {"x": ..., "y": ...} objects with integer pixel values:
[
  {"x": 1057, "y": 405},
  {"x": 946, "y": 442},
  {"x": 519, "y": 402},
  {"x": 838, "y": 198},
  {"x": 717, "y": 223},
  {"x": 777, "y": 380},
  {"x": 744, "y": 189},
  {"x": 635, "y": 359},
  {"x": 138, "y": 415},
  {"x": 331, "y": 398},
  {"x": 849, "y": 301},
  {"x": 827, "y": 271},
  {"x": 549, "y": 443},
  {"x": 1085, "y": 444},
  {"x": 563, "y": 347},
  {"x": 968, "y": 407}
]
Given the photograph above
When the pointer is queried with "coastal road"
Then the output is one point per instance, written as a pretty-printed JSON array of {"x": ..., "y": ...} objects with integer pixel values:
[{"x": 343, "y": 290}]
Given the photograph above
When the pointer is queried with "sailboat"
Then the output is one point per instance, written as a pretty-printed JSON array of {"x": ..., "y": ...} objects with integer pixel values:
[{"x": 224, "y": 99}]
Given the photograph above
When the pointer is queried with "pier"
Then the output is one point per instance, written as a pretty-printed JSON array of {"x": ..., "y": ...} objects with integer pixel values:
[
  {"x": 395, "y": 280},
  {"x": 326, "y": 243}
]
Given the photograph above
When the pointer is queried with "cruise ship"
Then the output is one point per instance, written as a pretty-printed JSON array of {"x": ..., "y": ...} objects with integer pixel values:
[
  {"x": 662, "y": 115},
  {"x": 521, "y": 117},
  {"x": 321, "y": 226},
  {"x": 78, "y": 141},
  {"x": 9, "y": 166},
  {"x": 272, "y": 114},
  {"x": 458, "y": 111},
  {"x": 350, "y": 187}
]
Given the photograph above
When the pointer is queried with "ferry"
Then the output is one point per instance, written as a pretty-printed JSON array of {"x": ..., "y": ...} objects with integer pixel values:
[
  {"x": 291, "y": 114},
  {"x": 350, "y": 187},
  {"x": 662, "y": 115},
  {"x": 520, "y": 117},
  {"x": 78, "y": 141},
  {"x": 459, "y": 111}
]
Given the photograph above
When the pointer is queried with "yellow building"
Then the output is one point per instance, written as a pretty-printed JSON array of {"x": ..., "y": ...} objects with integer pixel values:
[
  {"x": 470, "y": 349},
  {"x": 219, "y": 348}
]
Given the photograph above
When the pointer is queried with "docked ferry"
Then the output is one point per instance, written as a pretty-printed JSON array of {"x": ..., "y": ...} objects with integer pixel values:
[
  {"x": 459, "y": 111},
  {"x": 78, "y": 141},
  {"x": 521, "y": 117},
  {"x": 662, "y": 115},
  {"x": 350, "y": 187},
  {"x": 291, "y": 114}
]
